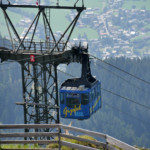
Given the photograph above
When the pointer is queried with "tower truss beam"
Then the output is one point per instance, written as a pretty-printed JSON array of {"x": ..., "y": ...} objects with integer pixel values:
[
  {"x": 42, "y": 6},
  {"x": 39, "y": 61},
  {"x": 40, "y": 93}
]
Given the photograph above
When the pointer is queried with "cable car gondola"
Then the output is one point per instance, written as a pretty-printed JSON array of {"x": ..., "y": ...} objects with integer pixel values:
[{"x": 80, "y": 97}]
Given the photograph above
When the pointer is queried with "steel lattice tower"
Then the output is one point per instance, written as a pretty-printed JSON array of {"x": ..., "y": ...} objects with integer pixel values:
[{"x": 39, "y": 61}]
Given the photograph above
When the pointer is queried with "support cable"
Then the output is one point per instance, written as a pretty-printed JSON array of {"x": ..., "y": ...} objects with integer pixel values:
[
  {"x": 118, "y": 96},
  {"x": 130, "y": 115},
  {"x": 103, "y": 67},
  {"x": 147, "y": 107},
  {"x": 127, "y": 81},
  {"x": 90, "y": 55},
  {"x": 130, "y": 100},
  {"x": 119, "y": 69},
  {"x": 73, "y": 76},
  {"x": 142, "y": 121}
]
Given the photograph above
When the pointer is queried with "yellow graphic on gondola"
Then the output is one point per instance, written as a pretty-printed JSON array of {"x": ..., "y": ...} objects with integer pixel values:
[
  {"x": 96, "y": 102},
  {"x": 67, "y": 111}
]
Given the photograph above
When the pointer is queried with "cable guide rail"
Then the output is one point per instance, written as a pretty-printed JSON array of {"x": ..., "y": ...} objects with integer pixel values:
[{"x": 108, "y": 144}]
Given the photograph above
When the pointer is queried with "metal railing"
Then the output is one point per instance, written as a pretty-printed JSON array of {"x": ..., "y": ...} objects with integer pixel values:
[
  {"x": 107, "y": 145},
  {"x": 42, "y": 46}
]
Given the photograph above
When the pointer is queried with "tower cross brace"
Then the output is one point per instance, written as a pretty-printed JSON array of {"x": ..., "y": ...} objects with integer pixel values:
[{"x": 39, "y": 61}]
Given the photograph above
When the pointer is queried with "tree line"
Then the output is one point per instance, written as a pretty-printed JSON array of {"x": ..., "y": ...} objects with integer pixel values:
[{"x": 118, "y": 117}]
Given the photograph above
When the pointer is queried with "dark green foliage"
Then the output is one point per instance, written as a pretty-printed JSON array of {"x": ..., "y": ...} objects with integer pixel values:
[
  {"x": 10, "y": 93},
  {"x": 116, "y": 116}
]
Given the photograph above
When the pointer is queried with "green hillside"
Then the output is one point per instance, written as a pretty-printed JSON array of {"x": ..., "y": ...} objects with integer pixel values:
[
  {"x": 136, "y": 4},
  {"x": 118, "y": 117}
]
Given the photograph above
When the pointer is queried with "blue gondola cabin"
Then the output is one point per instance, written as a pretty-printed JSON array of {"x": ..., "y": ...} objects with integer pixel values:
[
  {"x": 80, "y": 97},
  {"x": 81, "y": 102}
]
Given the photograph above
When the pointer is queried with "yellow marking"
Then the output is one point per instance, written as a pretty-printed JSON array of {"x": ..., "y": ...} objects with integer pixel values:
[
  {"x": 75, "y": 109},
  {"x": 92, "y": 108}
]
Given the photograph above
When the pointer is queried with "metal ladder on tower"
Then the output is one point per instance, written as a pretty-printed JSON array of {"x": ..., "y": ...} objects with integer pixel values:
[{"x": 47, "y": 30}]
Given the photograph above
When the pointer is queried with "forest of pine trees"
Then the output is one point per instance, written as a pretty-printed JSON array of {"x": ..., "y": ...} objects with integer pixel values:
[{"x": 118, "y": 117}]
